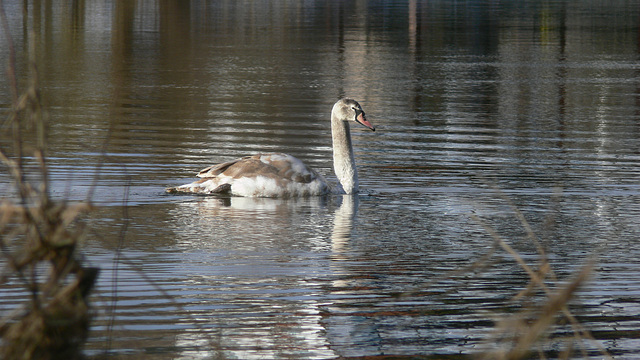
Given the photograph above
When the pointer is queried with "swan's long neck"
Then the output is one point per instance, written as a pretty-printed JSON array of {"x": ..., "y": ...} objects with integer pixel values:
[{"x": 344, "y": 163}]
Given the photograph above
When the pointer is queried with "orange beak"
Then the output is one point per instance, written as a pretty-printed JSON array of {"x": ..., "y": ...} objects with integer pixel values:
[{"x": 363, "y": 120}]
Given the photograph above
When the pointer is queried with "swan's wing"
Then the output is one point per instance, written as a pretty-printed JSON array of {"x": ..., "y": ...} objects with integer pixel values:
[
  {"x": 215, "y": 170},
  {"x": 248, "y": 166},
  {"x": 290, "y": 167},
  {"x": 275, "y": 166}
]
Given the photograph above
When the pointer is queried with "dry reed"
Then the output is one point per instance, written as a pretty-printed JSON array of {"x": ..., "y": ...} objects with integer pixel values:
[
  {"x": 39, "y": 237},
  {"x": 528, "y": 331}
]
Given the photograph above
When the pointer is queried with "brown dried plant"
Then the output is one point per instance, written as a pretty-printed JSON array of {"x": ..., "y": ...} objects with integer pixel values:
[
  {"x": 39, "y": 237},
  {"x": 518, "y": 335}
]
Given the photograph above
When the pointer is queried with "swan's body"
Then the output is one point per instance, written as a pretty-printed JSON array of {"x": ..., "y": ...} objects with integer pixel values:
[{"x": 282, "y": 175}]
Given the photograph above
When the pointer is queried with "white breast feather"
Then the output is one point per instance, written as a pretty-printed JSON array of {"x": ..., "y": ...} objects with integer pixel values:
[{"x": 263, "y": 186}]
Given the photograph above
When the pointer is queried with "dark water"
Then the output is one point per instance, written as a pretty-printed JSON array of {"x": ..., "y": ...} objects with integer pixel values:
[{"x": 483, "y": 110}]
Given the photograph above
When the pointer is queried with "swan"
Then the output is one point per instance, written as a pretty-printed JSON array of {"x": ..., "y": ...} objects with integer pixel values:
[{"x": 283, "y": 175}]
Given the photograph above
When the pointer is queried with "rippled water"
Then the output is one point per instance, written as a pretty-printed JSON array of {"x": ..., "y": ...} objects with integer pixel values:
[{"x": 482, "y": 112}]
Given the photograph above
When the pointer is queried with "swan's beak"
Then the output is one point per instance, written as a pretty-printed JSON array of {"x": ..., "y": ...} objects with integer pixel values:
[{"x": 360, "y": 119}]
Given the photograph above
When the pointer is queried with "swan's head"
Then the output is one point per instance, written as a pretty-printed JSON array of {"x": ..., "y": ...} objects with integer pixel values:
[{"x": 349, "y": 110}]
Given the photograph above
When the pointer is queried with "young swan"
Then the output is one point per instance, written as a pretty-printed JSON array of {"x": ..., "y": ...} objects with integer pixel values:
[{"x": 282, "y": 175}]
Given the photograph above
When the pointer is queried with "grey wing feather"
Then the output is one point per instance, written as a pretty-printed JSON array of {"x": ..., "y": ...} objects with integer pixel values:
[{"x": 215, "y": 170}]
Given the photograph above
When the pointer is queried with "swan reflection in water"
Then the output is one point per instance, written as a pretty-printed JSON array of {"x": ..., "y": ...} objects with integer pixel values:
[{"x": 263, "y": 270}]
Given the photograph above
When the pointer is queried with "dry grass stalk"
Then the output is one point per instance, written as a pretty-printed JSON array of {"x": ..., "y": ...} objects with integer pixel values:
[
  {"x": 39, "y": 238},
  {"x": 517, "y": 335}
]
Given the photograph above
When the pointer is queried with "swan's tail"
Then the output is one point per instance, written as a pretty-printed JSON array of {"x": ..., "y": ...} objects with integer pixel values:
[{"x": 195, "y": 189}]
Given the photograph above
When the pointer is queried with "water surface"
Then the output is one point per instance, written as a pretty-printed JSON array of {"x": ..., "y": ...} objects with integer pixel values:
[{"x": 482, "y": 111}]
